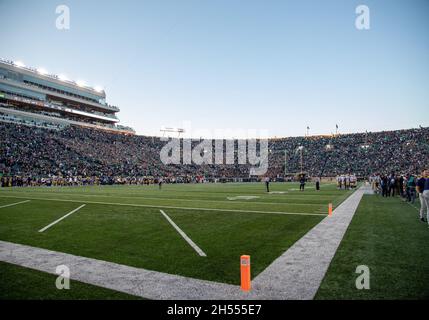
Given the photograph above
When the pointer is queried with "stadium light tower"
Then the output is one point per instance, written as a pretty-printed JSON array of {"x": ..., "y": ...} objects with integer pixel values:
[
  {"x": 366, "y": 145},
  {"x": 285, "y": 161},
  {"x": 300, "y": 148}
]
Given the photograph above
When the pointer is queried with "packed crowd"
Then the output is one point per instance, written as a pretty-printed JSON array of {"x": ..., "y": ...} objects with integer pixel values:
[
  {"x": 360, "y": 154},
  {"x": 75, "y": 155}
]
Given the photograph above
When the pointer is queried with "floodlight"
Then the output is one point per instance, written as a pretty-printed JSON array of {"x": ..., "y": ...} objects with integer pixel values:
[
  {"x": 42, "y": 71},
  {"x": 62, "y": 77},
  {"x": 81, "y": 83},
  {"x": 19, "y": 64}
]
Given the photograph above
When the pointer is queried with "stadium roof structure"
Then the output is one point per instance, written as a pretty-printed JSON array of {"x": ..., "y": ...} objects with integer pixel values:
[
  {"x": 41, "y": 72},
  {"x": 33, "y": 93}
]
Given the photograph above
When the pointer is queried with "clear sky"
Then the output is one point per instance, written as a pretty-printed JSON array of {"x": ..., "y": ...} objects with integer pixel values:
[{"x": 276, "y": 65}]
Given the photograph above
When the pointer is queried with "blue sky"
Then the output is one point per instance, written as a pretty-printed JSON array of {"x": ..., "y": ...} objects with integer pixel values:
[{"x": 276, "y": 65}]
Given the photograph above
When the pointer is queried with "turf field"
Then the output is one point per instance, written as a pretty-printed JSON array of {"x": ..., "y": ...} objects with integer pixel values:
[
  {"x": 387, "y": 236},
  {"x": 123, "y": 224}
]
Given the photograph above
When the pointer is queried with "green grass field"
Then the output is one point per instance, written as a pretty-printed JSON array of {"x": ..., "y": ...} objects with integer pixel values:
[
  {"x": 385, "y": 235},
  {"x": 123, "y": 224}
]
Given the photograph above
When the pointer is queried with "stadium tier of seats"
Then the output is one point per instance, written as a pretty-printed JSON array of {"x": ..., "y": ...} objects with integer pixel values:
[{"x": 89, "y": 155}]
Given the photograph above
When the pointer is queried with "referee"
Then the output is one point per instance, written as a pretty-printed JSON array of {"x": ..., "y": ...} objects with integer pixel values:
[{"x": 267, "y": 183}]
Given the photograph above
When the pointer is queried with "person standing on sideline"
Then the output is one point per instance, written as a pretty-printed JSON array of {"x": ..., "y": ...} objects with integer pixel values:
[
  {"x": 426, "y": 193},
  {"x": 378, "y": 182},
  {"x": 411, "y": 185},
  {"x": 301, "y": 183},
  {"x": 267, "y": 183},
  {"x": 401, "y": 185},
  {"x": 391, "y": 184},
  {"x": 384, "y": 186},
  {"x": 420, "y": 186},
  {"x": 160, "y": 181},
  {"x": 318, "y": 183}
]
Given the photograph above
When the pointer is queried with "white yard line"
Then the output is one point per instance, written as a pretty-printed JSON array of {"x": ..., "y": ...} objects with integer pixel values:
[
  {"x": 183, "y": 234},
  {"x": 63, "y": 217},
  {"x": 14, "y": 204},
  {"x": 139, "y": 197},
  {"x": 172, "y": 207}
]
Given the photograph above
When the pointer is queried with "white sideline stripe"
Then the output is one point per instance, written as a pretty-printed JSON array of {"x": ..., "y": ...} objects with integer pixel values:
[
  {"x": 172, "y": 207},
  {"x": 63, "y": 217},
  {"x": 188, "y": 240},
  {"x": 299, "y": 271},
  {"x": 418, "y": 209},
  {"x": 136, "y": 281},
  {"x": 14, "y": 204}
]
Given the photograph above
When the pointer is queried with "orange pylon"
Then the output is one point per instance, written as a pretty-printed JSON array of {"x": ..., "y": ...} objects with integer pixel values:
[{"x": 245, "y": 272}]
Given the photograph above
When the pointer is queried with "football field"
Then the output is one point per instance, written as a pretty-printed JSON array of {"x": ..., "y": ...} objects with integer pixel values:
[{"x": 194, "y": 230}]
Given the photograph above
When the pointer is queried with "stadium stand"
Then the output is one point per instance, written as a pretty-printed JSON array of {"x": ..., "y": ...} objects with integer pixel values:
[{"x": 33, "y": 154}]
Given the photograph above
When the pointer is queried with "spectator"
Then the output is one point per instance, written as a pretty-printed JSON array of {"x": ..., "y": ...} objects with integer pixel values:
[
  {"x": 423, "y": 204},
  {"x": 411, "y": 189},
  {"x": 384, "y": 187},
  {"x": 426, "y": 194},
  {"x": 391, "y": 185}
]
